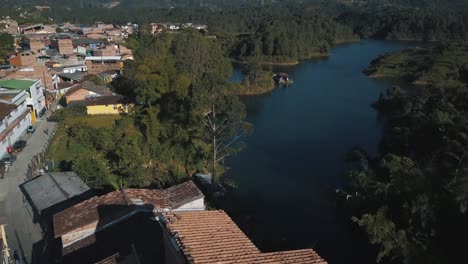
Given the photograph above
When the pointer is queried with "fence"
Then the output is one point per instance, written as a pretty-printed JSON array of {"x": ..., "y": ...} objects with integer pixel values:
[{"x": 35, "y": 165}]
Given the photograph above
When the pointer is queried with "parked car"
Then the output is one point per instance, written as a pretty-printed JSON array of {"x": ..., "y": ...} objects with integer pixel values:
[
  {"x": 8, "y": 159},
  {"x": 19, "y": 145},
  {"x": 31, "y": 129}
]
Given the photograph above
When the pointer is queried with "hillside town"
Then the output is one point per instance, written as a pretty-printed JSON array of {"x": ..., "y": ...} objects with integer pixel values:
[{"x": 53, "y": 216}]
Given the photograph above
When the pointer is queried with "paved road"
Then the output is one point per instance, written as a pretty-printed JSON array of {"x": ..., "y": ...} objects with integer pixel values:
[{"x": 22, "y": 233}]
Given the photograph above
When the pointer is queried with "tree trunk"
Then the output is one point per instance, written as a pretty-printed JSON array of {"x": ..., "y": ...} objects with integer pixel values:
[{"x": 214, "y": 158}]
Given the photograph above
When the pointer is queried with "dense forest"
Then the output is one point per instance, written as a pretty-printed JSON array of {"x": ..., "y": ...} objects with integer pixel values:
[
  {"x": 442, "y": 65},
  {"x": 283, "y": 31},
  {"x": 412, "y": 199},
  {"x": 406, "y": 23},
  {"x": 6, "y": 45},
  {"x": 185, "y": 120}
]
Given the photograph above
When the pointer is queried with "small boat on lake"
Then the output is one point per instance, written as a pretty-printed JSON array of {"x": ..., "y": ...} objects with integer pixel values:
[{"x": 282, "y": 79}]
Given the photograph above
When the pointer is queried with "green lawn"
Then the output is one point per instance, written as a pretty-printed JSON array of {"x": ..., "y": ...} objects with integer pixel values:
[{"x": 57, "y": 149}]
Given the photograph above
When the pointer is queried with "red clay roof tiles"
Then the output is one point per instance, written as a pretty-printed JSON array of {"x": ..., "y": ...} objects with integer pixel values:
[
  {"x": 212, "y": 237},
  {"x": 183, "y": 193},
  {"x": 107, "y": 208}
]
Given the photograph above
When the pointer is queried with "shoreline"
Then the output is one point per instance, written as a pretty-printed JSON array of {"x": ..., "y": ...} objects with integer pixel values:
[
  {"x": 253, "y": 93},
  {"x": 296, "y": 62},
  {"x": 292, "y": 63}
]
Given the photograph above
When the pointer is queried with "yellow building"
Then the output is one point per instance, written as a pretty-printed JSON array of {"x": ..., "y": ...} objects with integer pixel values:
[{"x": 112, "y": 105}]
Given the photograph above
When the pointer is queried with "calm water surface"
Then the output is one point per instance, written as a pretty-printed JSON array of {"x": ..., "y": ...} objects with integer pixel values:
[{"x": 295, "y": 155}]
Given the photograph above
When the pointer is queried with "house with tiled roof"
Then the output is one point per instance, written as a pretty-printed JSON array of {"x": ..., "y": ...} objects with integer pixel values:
[
  {"x": 77, "y": 226},
  {"x": 159, "y": 226},
  {"x": 97, "y": 99},
  {"x": 86, "y": 90},
  {"x": 212, "y": 237}
]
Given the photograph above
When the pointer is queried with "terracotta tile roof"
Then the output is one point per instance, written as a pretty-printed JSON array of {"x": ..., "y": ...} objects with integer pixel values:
[
  {"x": 5, "y": 109},
  {"x": 89, "y": 240},
  {"x": 100, "y": 100},
  {"x": 295, "y": 256},
  {"x": 89, "y": 212},
  {"x": 112, "y": 206},
  {"x": 147, "y": 196},
  {"x": 183, "y": 193},
  {"x": 101, "y": 90},
  {"x": 63, "y": 85},
  {"x": 118, "y": 259},
  {"x": 212, "y": 237}
]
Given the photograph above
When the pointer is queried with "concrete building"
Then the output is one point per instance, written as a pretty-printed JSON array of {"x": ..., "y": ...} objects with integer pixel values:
[
  {"x": 14, "y": 120},
  {"x": 51, "y": 193},
  {"x": 28, "y": 29},
  {"x": 37, "y": 72},
  {"x": 37, "y": 45},
  {"x": 98, "y": 64},
  {"x": 23, "y": 59},
  {"x": 33, "y": 90},
  {"x": 63, "y": 45}
]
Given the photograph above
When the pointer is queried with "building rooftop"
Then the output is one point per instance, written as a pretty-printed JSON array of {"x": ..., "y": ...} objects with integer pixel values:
[
  {"x": 103, "y": 58},
  {"x": 5, "y": 109},
  {"x": 53, "y": 188},
  {"x": 98, "y": 89},
  {"x": 137, "y": 239},
  {"x": 119, "y": 203},
  {"x": 16, "y": 84},
  {"x": 183, "y": 193},
  {"x": 212, "y": 237},
  {"x": 100, "y": 100}
]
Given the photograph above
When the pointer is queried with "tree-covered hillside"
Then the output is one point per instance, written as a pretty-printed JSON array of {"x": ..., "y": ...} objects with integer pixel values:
[{"x": 444, "y": 65}]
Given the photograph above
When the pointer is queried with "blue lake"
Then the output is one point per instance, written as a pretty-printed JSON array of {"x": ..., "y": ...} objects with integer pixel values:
[{"x": 295, "y": 156}]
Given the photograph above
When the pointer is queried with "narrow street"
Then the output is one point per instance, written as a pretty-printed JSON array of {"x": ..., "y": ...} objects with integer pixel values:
[{"x": 23, "y": 235}]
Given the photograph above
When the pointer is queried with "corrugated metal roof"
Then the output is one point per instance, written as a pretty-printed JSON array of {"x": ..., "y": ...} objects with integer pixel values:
[{"x": 53, "y": 188}]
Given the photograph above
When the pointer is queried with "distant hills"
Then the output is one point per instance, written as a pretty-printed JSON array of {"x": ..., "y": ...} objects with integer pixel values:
[{"x": 453, "y": 4}]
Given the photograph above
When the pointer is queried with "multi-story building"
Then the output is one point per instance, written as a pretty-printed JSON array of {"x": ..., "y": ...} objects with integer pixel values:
[
  {"x": 37, "y": 72},
  {"x": 32, "y": 90},
  {"x": 63, "y": 45},
  {"x": 98, "y": 64},
  {"x": 14, "y": 120},
  {"x": 36, "y": 45},
  {"x": 22, "y": 59}
]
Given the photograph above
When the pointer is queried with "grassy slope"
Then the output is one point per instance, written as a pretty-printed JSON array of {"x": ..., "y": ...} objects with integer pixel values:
[{"x": 58, "y": 146}]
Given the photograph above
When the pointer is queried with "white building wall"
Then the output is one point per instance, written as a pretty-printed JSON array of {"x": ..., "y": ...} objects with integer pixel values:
[
  {"x": 37, "y": 96},
  {"x": 192, "y": 206},
  {"x": 18, "y": 130}
]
